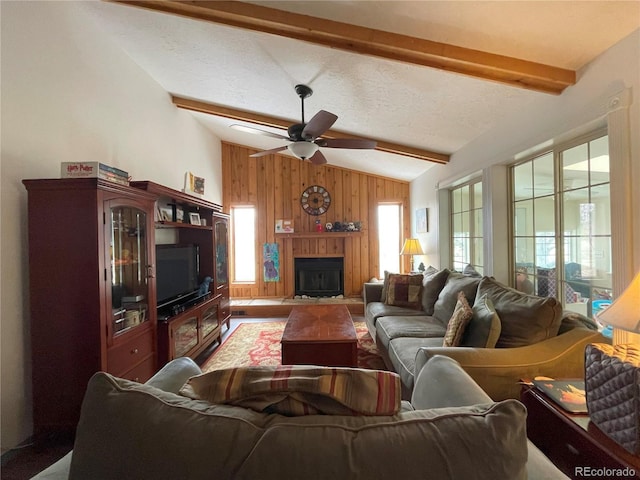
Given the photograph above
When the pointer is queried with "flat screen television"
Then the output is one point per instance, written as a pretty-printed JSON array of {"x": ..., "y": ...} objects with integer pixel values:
[{"x": 177, "y": 270}]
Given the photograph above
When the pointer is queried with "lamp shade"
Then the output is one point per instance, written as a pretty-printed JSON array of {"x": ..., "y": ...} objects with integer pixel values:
[
  {"x": 303, "y": 149},
  {"x": 411, "y": 247},
  {"x": 624, "y": 312}
]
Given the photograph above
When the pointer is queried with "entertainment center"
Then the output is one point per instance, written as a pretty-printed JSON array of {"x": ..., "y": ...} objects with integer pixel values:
[{"x": 121, "y": 281}]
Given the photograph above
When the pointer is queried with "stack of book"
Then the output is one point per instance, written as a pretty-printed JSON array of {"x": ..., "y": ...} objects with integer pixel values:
[{"x": 93, "y": 170}]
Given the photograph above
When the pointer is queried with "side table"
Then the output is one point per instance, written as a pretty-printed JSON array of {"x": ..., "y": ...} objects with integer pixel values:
[{"x": 573, "y": 443}]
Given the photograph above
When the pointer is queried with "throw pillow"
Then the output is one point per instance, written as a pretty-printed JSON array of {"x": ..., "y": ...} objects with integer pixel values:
[
  {"x": 462, "y": 313},
  {"x": 456, "y": 282},
  {"x": 430, "y": 270},
  {"x": 432, "y": 285},
  {"x": 484, "y": 328},
  {"x": 385, "y": 287},
  {"x": 472, "y": 272},
  {"x": 525, "y": 319},
  {"x": 405, "y": 291},
  {"x": 295, "y": 390}
]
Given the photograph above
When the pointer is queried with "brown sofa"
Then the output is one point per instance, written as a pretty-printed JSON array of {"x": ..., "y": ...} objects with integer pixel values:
[{"x": 511, "y": 336}]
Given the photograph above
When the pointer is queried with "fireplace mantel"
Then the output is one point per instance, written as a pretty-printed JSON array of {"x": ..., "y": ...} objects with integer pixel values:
[{"x": 319, "y": 235}]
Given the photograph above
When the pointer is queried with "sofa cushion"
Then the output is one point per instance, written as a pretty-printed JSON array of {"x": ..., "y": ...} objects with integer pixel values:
[
  {"x": 448, "y": 297},
  {"x": 461, "y": 315},
  {"x": 571, "y": 320},
  {"x": 388, "y": 328},
  {"x": 484, "y": 328},
  {"x": 402, "y": 355},
  {"x": 525, "y": 319},
  {"x": 376, "y": 310},
  {"x": 471, "y": 271},
  {"x": 432, "y": 285},
  {"x": 405, "y": 290},
  {"x": 128, "y": 430},
  {"x": 300, "y": 390}
]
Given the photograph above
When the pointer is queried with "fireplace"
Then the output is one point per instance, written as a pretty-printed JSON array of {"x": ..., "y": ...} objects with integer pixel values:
[{"x": 319, "y": 277}]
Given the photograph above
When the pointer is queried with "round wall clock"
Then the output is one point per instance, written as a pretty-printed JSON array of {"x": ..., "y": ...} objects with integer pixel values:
[{"x": 315, "y": 200}]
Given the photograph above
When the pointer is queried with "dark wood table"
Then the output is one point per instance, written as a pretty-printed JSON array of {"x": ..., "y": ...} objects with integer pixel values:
[
  {"x": 320, "y": 335},
  {"x": 574, "y": 443}
]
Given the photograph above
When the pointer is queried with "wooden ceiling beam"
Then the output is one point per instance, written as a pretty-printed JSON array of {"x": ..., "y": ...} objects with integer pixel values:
[
  {"x": 372, "y": 42},
  {"x": 274, "y": 122}
]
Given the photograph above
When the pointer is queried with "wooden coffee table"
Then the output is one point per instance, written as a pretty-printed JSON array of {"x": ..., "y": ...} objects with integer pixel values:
[{"x": 320, "y": 335}]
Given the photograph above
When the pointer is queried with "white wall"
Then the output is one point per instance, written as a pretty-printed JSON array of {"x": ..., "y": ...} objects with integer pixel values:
[
  {"x": 68, "y": 94},
  {"x": 579, "y": 109}
]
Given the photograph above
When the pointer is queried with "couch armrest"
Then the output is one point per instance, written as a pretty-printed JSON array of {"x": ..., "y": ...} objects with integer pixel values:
[
  {"x": 174, "y": 374},
  {"x": 498, "y": 370},
  {"x": 443, "y": 383},
  {"x": 372, "y": 292}
]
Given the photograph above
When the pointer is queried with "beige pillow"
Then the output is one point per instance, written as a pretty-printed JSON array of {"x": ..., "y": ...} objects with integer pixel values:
[{"x": 462, "y": 314}]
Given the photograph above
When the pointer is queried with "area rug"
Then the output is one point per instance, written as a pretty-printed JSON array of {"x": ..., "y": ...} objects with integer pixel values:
[{"x": 252, "y": 344}]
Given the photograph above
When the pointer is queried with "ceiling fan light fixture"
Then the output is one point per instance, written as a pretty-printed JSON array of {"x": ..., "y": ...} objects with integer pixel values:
[{"x": 302, "y": 149}]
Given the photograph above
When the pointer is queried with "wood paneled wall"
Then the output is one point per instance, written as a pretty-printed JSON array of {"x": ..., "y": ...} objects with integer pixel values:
[{"x": 273, "y": 185}]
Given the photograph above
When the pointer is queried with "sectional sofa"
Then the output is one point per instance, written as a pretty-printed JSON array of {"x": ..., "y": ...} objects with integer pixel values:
[
  {"x": 450, "y": 430},
  {"x": 509, "y": 336}
]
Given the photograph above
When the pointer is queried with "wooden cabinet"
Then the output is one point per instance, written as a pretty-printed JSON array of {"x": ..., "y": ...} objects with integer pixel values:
[
  {"x": 91, "y": 291},
  {"x": 188, "y": 326},
  {"x": 189, "y": 333}
]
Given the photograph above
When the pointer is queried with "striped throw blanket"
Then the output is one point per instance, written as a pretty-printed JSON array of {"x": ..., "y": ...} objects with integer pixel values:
[{"x": 300, "y": 390}]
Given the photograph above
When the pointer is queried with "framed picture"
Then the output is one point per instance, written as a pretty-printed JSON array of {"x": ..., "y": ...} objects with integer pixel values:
[
  {"x": 422, "y": 220},
  {"x": 165, "y": 214},
  {"x": 193, "y": 184},
  {"x": 194, "y": 219}
]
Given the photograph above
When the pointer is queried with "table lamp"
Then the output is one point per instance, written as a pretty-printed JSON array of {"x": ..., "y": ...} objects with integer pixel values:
[
  {"x": 411, "y": 247},
  {"x": 612, "y": 372}
]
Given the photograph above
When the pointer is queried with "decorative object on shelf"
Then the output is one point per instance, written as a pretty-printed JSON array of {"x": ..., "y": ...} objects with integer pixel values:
[
  {"x": 315, "y": 200},
  {"x": 411, "y": 247},
  {"x": 422, "y": 220},
  {"x": 204, "y": 286},
  {"x": 612, "y": 373},
  {"x": 93, "y": 170},
  {"x": 193, "y": 184},
  {"x": 319, "y": 227},
  {"x": 194, "y": 218},
  {"x": 271, "y": 262},
  {"x": 328, "y": 227},
  {"x": 284, "y": 226}
]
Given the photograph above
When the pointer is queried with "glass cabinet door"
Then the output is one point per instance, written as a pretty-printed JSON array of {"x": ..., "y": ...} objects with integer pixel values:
[
  {"x": 185, "y": 337},
  {"x": 128, "y": 268},
  {"x": 209, "y": 320},
  {"x": 221, "y": 239}
]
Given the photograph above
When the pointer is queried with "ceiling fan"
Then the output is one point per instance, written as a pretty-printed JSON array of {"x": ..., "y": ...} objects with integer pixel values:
[{"x": 305, "y": 137}]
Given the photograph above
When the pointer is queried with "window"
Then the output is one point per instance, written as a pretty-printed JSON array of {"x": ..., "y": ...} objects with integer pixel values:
[
  {"x": 562, "y": 224},
  {"x": 389, "y": 237},
  {"x": 466, "y": 226},
  {"x": 243, "y": 250}
]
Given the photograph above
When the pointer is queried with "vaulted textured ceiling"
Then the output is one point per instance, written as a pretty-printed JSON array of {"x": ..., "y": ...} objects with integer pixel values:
[{"x": 392, "y": 101}]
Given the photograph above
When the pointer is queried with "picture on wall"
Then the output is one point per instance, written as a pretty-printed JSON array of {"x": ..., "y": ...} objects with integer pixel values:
[
  {"x": 271, "y": 262},
  {"x": 422, "y": 220}
]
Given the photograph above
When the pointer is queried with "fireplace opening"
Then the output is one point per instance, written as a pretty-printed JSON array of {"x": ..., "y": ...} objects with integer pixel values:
[{"x": 319, "y": 277}]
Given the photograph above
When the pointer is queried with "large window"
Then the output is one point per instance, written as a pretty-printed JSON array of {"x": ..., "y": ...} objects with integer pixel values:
[
  {"x": 466, "y": 227},
  {"x": 243, "y": 252},
  {"x": 389, "y": 237},
  {"x": 562, "y": 225}
]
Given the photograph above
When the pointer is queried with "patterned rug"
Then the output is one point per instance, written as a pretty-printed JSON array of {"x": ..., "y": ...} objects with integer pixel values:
[{"x": 252, "y": 344}]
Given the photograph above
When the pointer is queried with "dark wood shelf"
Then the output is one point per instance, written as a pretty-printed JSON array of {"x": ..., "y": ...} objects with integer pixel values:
[{"x": 167, "y": 224}]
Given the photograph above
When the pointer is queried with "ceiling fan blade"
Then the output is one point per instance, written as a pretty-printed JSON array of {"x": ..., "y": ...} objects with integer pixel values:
[
  {"x": 257, "y": 131},
  {"x": 356, "y": 143},
  {"x": 268, "y": 152},
  {"x": 318, "y": 158},
  {"x": 319, "y": 123}
]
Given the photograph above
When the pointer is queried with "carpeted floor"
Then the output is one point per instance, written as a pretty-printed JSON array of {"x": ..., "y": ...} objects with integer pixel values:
[{"x": 253, "y": 344}]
